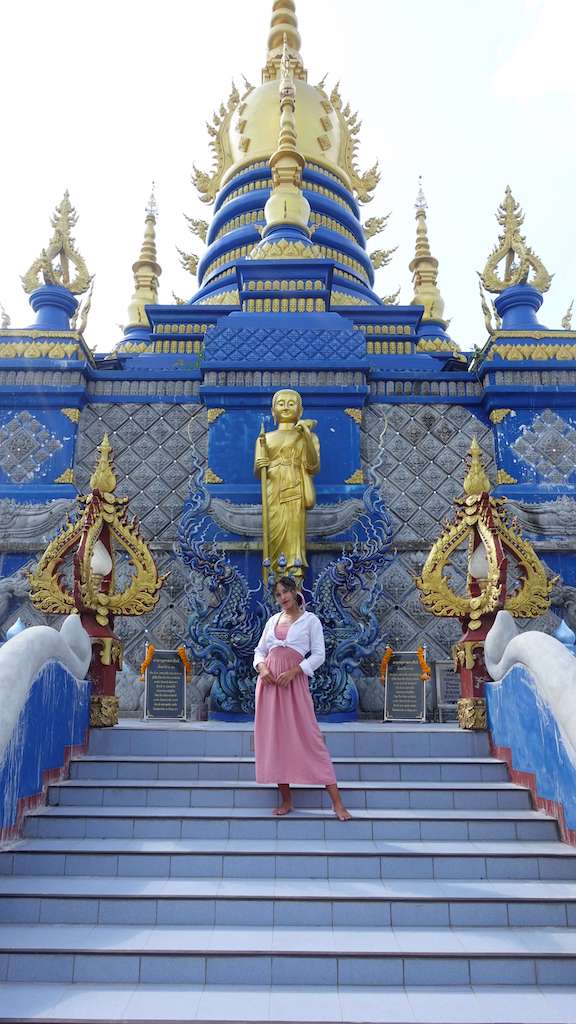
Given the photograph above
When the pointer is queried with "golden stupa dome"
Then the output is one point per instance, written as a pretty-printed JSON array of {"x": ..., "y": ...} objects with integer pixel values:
[
  {"x": 245, "y": 130},
  {"x": 254, "y": 127}
]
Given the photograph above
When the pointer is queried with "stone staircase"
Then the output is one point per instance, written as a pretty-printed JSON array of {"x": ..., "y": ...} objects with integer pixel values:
[{"x": 156, "y": 886}]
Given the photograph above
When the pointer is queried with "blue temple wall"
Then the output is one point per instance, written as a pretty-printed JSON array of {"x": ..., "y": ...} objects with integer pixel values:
[
  {"x": 54, "y": 720},
  {"x": 419, "y": 409},
  {"x": 521, "y": 721}
]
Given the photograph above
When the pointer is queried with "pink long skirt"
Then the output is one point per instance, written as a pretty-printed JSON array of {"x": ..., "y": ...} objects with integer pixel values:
[{"x": 288, "y": 744}]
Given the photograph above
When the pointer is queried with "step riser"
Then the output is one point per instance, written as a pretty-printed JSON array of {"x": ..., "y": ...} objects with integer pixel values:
[
  {"x": 203, "y": 743},
  {"x": 77, "y": 795},
  {"x": 254, "y": 969},
  {"x": 288, "y": 865},
  {"x": 44, "y": 827},
  {"x": 159, "y": 771},
  {"x": 256, "y": 913}
]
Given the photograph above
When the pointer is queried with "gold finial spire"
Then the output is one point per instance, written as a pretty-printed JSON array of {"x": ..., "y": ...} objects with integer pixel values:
[
  {"x": 567, "y": 318},
  {"x": 287, "y": 204},
  {"x": 519, "y": 259},
  {"x": 62, "y": 247},
  {"x": 146, "y": 270},
  {"x": 476, "y": 480},
  {"x": 424, "y": 266},
  {"x": 103, "y": 478},
  {"x": 283, "y": 27}
]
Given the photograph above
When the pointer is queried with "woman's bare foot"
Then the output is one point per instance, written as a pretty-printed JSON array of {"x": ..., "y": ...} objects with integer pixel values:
[
  {"x": 284, "y": 808},
  {"x": 342, "y": 813}
]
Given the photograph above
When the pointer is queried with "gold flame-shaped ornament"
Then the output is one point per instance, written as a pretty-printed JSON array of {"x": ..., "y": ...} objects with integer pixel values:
[
  {"x": 519, "y": 259},
  {"x": 61, "y": 247},
  {"x": 101, "y": 527},
  {"x": 490, "y": 532}
]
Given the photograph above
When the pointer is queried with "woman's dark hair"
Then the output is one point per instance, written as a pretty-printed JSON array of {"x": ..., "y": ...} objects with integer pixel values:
[{"x": 289, "y": 584}]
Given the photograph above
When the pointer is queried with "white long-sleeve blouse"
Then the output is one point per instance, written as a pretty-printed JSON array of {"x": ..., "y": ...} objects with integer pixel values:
[{"x": 305, "y": 635}]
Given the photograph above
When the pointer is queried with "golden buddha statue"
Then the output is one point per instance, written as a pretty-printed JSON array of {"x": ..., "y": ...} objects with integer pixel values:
[{"x": 286, "y": 459}]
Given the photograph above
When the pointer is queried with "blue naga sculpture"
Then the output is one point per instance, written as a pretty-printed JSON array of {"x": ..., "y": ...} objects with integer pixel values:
[{"x": 227, "y": 615}]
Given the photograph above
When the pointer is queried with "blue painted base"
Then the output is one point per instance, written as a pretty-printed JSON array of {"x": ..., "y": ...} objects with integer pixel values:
[{"x": 519, "y": 719}]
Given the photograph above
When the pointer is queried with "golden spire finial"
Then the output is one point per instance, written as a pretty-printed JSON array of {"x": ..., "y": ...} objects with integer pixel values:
[
  {"x": 476, "y": 480},
  {"x": 103, "y": 478},
  {"x": 283, "y": 27},
  {"x": 146, "y": 270},
  {"x": 567, "y": 318},
  {"x": 287, "y": 204},
  {"x": 519, "y": 259},
  {"x": 424, "y": 266},
  {"x": 62, "y": 247}
]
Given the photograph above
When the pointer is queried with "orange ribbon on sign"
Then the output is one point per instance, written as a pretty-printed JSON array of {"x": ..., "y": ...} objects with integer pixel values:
[
  {"x": 185, "y": 660},
  {"x": 147, "y": 660},
  {"x": 386, "y": 659},
  {"x": 424, "y": 666}
]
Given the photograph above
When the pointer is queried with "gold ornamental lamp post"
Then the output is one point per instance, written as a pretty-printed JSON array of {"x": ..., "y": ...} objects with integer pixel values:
[
  {"x": 482, "y": 523},
  {"x": 101, "y": 527}
]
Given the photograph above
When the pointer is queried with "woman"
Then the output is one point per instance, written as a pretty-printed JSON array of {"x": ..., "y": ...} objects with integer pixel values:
[{"x": 288, "y": 743}]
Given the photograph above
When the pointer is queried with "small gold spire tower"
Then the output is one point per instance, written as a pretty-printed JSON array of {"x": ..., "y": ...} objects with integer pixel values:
[
  {"x": 287, "y": 204},
  {"x": 146, "y": 271},
  {"x": 476, "y": 480},
  {"x": 283, "y": 33},
  {"x": 424, "y": 267}
]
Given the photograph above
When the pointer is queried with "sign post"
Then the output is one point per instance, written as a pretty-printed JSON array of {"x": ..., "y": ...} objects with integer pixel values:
[
  {"x": 404, "y": 688},
  {"x": 165, "y": 686}
]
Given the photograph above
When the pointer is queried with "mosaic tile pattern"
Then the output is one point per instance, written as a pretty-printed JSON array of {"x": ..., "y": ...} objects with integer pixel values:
[
  {"x": 25, "y": 444},
  {"x": 549, "y": 447}
]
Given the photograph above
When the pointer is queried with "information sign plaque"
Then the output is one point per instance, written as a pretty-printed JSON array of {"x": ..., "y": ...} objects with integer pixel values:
[
  {"x": 404, "y": 689},
  {"x": 447, "y": 690},
  {"x": 165, "y": 686}
]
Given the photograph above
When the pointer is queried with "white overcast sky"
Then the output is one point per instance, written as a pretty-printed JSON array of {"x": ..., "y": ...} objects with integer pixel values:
[{"x": 103, "y": 97}]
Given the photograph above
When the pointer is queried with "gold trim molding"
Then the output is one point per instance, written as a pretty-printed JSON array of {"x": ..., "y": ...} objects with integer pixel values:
[
  {"x": 38, "y": 350},
  {"x": 72, "y": 414},
  {"x": 356, "y": 478},
  {"x": 213, "y": 414},
  {"x": 502, "y": 477},
  {"x": 210, "y": 477},
  {"x": 472, "y": 713},
  {"x": 355, "y": 414},
  {"x": 497, "y": 415}
]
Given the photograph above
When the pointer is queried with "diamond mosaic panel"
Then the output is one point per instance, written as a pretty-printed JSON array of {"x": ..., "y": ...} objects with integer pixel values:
[
  {"x": 25, "y": 444},
  {"x": 153, "y": 447},
  {"x": 421, "y": 449},
  {"x": 549, "y": 447}
]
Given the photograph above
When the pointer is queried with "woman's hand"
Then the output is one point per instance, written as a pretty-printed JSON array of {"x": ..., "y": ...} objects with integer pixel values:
[
  {"x": 286, "y": 677},
  {"x": 265, "y": 673}
]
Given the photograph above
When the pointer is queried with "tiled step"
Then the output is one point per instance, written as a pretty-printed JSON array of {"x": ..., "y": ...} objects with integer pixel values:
[
  {"x": 371, "y": 739},
  {"x": 422, "y": 1004},
  {"x": 446, "y": 795},
  {"x": 77, "y": 822},
  {"x": 286, "y": 859},
  {"x": 287, "y": 956},
  {"x": 298, "y": 902},
  {"x": 348, "y": 769}
]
